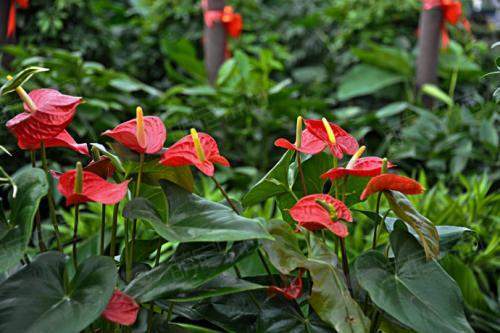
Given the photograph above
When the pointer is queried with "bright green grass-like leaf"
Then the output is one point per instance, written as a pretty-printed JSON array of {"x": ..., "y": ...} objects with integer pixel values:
[
  {"x": 415, "y": 291},
  {"x": 189, "y": 268},
  {"x": 20, "y": 78},
  {"x": 32, "y": 187},
  {"x": 434, "y": 91},
  {"x": 36, "y": 299}
]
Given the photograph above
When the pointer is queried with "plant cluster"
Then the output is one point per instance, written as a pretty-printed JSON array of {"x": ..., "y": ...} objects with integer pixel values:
[{"x": 168, "y": 259}]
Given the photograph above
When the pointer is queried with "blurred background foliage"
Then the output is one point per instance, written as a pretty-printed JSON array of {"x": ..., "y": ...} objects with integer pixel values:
[{"x": 351, "y": 61}]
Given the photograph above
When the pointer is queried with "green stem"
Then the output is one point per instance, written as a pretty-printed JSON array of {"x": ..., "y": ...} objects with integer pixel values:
[
  {"x": 137, "y": 192},
  {"x": 75, "y": 235},
  {"x": 377, "y": 211},
  {"x": 50, "y": 197},
  {"x": 38, "y": 218},
  {"x": 334, "y": 182},
  {"x": 103, "y": 228},
  {"x": 301, "y": 172},
  {"x": 114, "y": 228},
  {"x": 170, "y": 312},
  {"x": 128, "y": 256},
  {"x": 345, "y": 264}
]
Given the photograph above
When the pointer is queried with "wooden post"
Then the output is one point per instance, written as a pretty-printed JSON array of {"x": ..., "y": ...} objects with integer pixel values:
[
  {"x": 4, "y": 18},
  {"x": 428, "y": 45},
  {"x": 214, "y": 43}
]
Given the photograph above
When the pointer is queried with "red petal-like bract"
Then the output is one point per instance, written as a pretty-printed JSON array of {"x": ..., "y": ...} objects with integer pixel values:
[
  {"x": 54, "y": 112},
  {"x": 312, "y": 216},
  {"x": 292, "y": 291},
  {"x": 344, "y": 142},
  {"x": 310, "y": 144},
  {"x": 104, "y": 168},
  {"x": 125, "y": 133},
  {"x": 363, "y": 167},
  {"x": 95, "y": 189},
  {"x": 63, "y": 140},
  {"x": 392, "y": 182},
  {"x": 183, "y": 153},
  {"x": 121, "y": 309},
  {"x": 452, "y": 13}
]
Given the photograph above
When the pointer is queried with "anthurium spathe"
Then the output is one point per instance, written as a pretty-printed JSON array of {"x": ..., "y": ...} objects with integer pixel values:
[
  {"x": 333, "y": 136},
  {"x": 321, "y": 211},
  {"x": 305, "y": 141},
  {"x": 145, "y": 135},
  {"x": 62, "y": 140},
  {"x": 386, "y": 181},
  {"x": 198, "y": 149},
  {"x": 47, "y": 113},
  {"x": 93, "y": 189},
  {"x": 361, "y": 167},
  {"x": 121, "y": 309},
  {"x": 292, "y": 291}
]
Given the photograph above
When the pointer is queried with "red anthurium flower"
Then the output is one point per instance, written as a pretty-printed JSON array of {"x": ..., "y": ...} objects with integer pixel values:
[
  {"x": 305, "y": 141},
  {"x": 103, "y": 167},
  {"x": 452, "y": 13},
  {"x": 232, "y": 21},
  {"x": 121, "y": 309},
  {"x": 94, "y": 189},
  {"x": 319, "y": 211},
  {"x": 363, "y": 167},
  {"x": 333, "y": 136},
  {"x": 145, "y": 135},
  {"x": 198, "y": 149},
  {"x": 11, "y": 24},
  {"x": 393, "y": 182},
  {"x": 49, "y": 115},
  {"x": 292, "y": 291},
  {"x": 63, "y": 140}
]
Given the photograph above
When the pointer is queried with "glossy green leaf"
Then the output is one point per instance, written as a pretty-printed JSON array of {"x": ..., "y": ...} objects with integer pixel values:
[
  {"x": 415, "y": 291},
  {"x": 434, "y": 91},
  {"x": 275, "y": 182},
  {"x": 189, "y": 268},
  {"x": 195, "y": 219},
  {"x": 427, "y": 232},
  {"x": 36, "y": 299},
  {"x": 20, "y": 78},
  {"x": 32, "y": 187}
]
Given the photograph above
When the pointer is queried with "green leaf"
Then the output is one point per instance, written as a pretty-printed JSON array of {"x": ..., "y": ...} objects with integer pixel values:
[
  {"x": 427, "y": 232},
  {"x": 434, "y": 91},
  {"x": 390, "y": 58},
  {"x": 365, "y": 80},
  {"x": 36, "y": 299},
  {"x": 194, "y": 219},
  {"x": 222, "y": 285},
  {"x": 20, "y": 78},
  {"x": 488, "y": 133},
  {"x": 391, "y": 110},
  {"x": 330, "y": 297},
  {"x": 33, "y": 186},
  {"x": 415, "y": 291},
  {"x": 275, "y": 182},
  {"x": 189, "y": 268}
]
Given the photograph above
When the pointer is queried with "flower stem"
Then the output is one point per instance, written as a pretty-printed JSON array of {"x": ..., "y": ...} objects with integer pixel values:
[
  {"x": 334, "y": 182},
  {"x": 103, "y": 228},
  {"x": 137, "y": 192},
  {"x": 226, "y": 196},
  {"x": 50, "y": 197},
  {"x": 75, "y": 235},
  {"x": 377, "y": 211},
  {"x": 114, "y": 228},
  {"x": 38, "y": 218},
  {"x": 345, "y": 264},
  {"x": 128, "y": 257},
  {"x": 301, "y": 172}
]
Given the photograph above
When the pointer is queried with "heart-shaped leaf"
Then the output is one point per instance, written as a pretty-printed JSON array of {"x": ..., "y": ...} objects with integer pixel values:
[
  {"x": 32, "y": 187},
  {"x": 36, "y": 298},
  {"x": 415, "y": 291},
  {"x": 190, "y": 267},
  {"x": 20, "y": 78},
  {"x": 195, "y": 219}
]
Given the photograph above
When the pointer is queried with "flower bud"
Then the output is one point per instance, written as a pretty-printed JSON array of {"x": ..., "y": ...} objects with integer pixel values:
[
  {"x": 197, "y": 145},
  {"x": 329, "y": 131},
  {"x": 79, "y": 178},
  {"x": 139, "y": 132}
]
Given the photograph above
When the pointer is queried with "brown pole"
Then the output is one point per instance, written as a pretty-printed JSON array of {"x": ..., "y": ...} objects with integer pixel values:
[
  {"x": 214, "y": 43},
  {"x": 428, "y": 46}
]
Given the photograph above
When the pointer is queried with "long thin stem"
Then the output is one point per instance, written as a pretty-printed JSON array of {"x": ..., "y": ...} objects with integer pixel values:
[
  {"x": 103, "y": 228},
  {"x": 137, "y": 192},
  {"x": 50, "y": 197},
  {"x": 38, "y": 218},
  {"x": 377, "y": 211},
  {"x": 301, "y": 172},
  {"x": 128, "y": 256},
  {"x": 226, "y": 196},
  {"x": 345, "y": 264},
  {"x": 75, "y": 235},
  {"x": 114, "y": 228}
]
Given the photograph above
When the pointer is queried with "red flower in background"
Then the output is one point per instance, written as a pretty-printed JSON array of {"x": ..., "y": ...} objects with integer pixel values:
[
  {"x": 52, "y": 114},
  {"x": 333, "y": 137},
  {"x": 320, "y": 211},
  {"x": 292, "y": 291},
  {"x": 386, "y": 181},
  {"x": 232, "y": 21},
  {"x": 198, "y": 149},
  {"x": 95, "y": 189},
  {"x": 363, "y": 167},
  {"x": 63, "y": 140},
  {"x": 452, "y": 13},
  {"x": 142, "y": 134},
  {"x": 121, "y": 309},
  {"x": 11, "y": 24}
]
